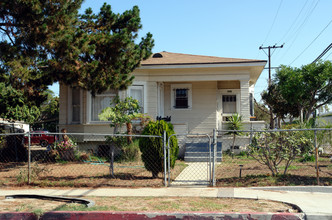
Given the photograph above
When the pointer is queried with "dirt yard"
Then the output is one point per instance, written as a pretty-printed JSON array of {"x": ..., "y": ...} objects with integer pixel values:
[
  {"x": 255, "y": 174},
  {"x": 75, "y": 174},
  {"x": 133, "y": 174}
]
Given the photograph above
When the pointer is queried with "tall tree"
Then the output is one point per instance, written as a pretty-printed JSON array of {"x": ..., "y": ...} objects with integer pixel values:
[
  {"x": 14, "y": 105},
  {"x": 304, "y": 89},
  {"x": 279, "y": 105},
  {"x": 111, "y": 54},
  {"x": 47, "y": 41},
  {"x": 261, "y": 112},
  {"x": 29, "y": 30},
  {"x": 49, "y": 113}
]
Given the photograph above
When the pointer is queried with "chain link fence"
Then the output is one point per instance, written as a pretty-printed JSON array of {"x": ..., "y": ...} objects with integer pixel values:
[
  {"x": 196, "y": 151},
  {"x": 275, "y": 157},
  {"x": 249, "y": 158},
  {"x": 80, "y": 160}
]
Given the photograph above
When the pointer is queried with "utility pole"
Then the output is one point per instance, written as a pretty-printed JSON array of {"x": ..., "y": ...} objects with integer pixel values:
[{"x": 269, "y": 56}]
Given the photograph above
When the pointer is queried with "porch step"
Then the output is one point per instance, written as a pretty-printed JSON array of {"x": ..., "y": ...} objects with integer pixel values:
[
  {"x": 200, "y": 159},
  {"x": 199, "y": 152}
]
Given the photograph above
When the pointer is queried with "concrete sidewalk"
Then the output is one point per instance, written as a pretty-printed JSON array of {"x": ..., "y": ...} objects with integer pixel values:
[{"x": 315, "y": 205}]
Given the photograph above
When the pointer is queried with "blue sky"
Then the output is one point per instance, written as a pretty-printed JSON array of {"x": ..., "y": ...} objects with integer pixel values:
[{"x": 235, "y": 28}]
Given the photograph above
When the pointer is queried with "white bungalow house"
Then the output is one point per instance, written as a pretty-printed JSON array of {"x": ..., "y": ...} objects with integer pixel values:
[{"x": 197, "y": 92}]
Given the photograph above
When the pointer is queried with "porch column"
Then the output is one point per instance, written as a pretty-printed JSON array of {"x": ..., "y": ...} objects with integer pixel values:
[
  {"x": 160, "y": 99},
  {"x": 244, "y": 102}
]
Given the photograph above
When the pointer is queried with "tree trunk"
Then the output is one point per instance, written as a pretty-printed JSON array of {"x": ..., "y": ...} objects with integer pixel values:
[
  {"x": 129, "y": 132},
  {"x": 154, "y": 174},
  {"x": 112, "y": 161},
  {"x": 307, "y": 114},
  {"x": 301, "y": 115},
  {"x": 279, "y": 122},
  {"x": 111, "y": 152},
  {"x": 233, "y": 146},
  {"x": 271, "y": 119}
]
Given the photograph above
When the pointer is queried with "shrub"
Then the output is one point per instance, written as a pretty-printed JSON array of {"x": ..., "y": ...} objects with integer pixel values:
[
  {"x": 66, "y": 150},
  {"x": 36, "y": 173},
  {"x": 308, "y": 158},
  {"x": 273, "y": 148},
  {"x": 130, "y": 152},
  {"x": 152, "y": 147},
  {"x": 234, "y": 125}
]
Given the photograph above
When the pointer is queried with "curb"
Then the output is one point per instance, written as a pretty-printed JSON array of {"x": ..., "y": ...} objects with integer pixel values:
[{"x": 96, "y": 215}]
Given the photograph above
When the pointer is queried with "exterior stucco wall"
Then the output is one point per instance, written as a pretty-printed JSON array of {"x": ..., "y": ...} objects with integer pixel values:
[
  {"x": 201, "y": 118},
  {"x": 152, "y": 99}
]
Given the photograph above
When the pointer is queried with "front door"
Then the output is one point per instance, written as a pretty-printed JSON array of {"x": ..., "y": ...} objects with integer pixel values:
[{"x": 227, "y": 104}]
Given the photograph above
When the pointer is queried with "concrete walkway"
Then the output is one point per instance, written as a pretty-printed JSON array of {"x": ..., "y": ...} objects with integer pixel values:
[
  {"x": 315, "y": 205},
  {"x": 196, "y": 173}
]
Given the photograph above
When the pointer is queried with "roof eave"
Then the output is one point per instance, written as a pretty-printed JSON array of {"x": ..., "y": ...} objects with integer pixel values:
[{"x": 204, "y": 65}]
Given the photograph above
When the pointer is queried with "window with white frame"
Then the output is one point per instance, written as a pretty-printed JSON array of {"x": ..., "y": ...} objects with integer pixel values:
[
  {"x": 229, "y": 104},
  {"x": 99, "y": 102},
  {"x": 137, "y": 92},
  {"x": 181, "y": 96}
]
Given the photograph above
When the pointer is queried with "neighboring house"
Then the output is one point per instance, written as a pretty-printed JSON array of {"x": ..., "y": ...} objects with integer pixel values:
[
  {"x": 198, "y": 92},
  {"x": 13, "y": 126}
]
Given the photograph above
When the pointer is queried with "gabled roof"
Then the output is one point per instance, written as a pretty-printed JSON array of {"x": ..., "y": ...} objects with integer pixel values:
[{"x": 167, "y": 58}]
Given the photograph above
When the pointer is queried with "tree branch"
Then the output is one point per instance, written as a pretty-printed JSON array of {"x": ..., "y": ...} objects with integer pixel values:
[
  {"x": 7, "y": 34},
  {"x": 261, "y": 107},
  {"x": 324, "y": 103},
  {"x": 11, "y": 25}
]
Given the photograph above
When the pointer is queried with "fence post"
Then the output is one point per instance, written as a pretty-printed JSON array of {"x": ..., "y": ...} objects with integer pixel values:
[
  {"x": 316, "y": 157},
  {"x": 169, "y": 159},
  {"x": 165, "y": 156},
  {"x": 210, "y": 161},
  {"x": 214, "y": 157},
  {"x": 250, "y": 141},
  {"x": 29, "y": 156}
]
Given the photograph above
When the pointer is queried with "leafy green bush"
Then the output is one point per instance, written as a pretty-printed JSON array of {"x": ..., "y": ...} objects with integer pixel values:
[
  {"x": 308, "y": 158},
  {"x": 243, "y": 154},
  {"x": 130, "y": 152},
  {"x": 152, "y": 147}
]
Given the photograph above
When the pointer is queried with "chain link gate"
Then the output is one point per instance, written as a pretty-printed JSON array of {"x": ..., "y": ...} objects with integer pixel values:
[{"x": 201, "y": 155}]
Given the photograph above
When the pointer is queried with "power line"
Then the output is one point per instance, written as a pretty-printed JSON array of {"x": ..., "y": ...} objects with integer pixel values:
[
  {"x": 323, "y": 53},
  {"x": 298, "y": 30},
  {"x": 275, "y": 17},
  {"x": 312, "y": 42},
  {"x": 309, "y": 13},
  {"x": 290, "y": 28},
  {"x": 327, "y": 56},
  {"x": 268, "y": 33}
]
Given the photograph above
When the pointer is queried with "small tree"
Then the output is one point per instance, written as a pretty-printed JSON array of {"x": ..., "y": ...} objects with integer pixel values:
[
  {"x": 273, "y": 148},
  {"x": 122, "y": 112},
  {"x": 234, "y": 125},
  {"x": 152, "y": 147}
]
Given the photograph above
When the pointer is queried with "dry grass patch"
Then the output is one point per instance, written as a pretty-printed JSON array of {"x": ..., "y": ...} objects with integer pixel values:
[{"x": 165, "y": 204}]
